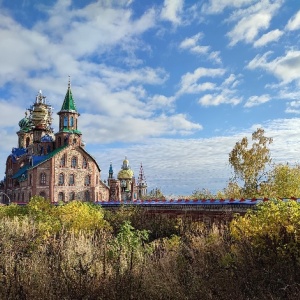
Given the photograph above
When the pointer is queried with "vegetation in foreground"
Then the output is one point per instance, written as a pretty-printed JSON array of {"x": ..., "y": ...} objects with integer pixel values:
[{"x": 79, "y": 251}]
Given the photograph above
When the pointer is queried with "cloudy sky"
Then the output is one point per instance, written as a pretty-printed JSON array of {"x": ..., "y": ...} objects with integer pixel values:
[{"x": 173, "y": 84}]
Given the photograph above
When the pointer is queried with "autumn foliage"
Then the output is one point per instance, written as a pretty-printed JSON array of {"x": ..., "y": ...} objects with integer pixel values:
[{"x": 79, "y": 251}]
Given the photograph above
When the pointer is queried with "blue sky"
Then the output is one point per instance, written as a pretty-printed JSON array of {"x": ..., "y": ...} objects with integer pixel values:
[{"x": 173, "y": 84}]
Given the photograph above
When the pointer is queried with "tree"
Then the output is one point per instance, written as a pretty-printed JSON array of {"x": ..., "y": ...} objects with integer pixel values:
[
  {"x": 249, "y": 164},
  {"x": 273, "y": 228},
  {"x": 155, "y": 194},
  {"x": 283, "y": 182}
]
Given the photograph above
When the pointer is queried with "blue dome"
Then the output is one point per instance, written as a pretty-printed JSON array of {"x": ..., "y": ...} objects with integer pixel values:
[{"x": 47, "y": 138}]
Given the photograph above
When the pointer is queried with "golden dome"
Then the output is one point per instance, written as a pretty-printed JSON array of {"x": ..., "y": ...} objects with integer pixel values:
[{"x": 125, "y": 174}]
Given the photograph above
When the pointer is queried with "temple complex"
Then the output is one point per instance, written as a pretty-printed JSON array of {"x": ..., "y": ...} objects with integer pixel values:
[{"x": 56, "y": 166}]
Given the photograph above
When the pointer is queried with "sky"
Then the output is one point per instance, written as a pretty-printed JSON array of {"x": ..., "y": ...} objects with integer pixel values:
[{"x": 171, "y": 84}]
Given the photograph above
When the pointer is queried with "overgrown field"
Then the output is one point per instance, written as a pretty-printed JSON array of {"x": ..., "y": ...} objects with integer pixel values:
[{"x": 79, "y": 251}]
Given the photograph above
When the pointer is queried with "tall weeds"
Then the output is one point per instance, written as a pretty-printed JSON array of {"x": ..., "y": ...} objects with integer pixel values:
[{"x": 129, "y": 263}]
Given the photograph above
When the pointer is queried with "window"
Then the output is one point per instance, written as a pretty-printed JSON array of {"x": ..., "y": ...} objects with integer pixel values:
[
  {"x": 72, "y": 196},
  {"x": 63, "y": 161},
  {"x": 61, "y": 179},
  {"x": 22, "y": 197},
  {"x": 59, "y": 141},
  {"x": 71, "y": 179},
  {"x": 43, "y": 179},
  {"x": 29, "y": 196},
  {"x": 43, "y": 194},
  {"x": 30, "y": 179},
  {"x": 61, "y": 196},
  {"x": 27, "y": 141},
  {"x": 84, "y": 163},
  {"x": 72, "y": 121},
  {"x": 74, "y": 162},
  {"x": 87, "y": 180},
  {"x": 87, "y": 196},
  {"x": 65, "y": 121}
]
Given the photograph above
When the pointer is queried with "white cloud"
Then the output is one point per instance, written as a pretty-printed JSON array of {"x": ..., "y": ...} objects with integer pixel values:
[
  {"x": 99, "y": 129},
  {"x": 217, "y": 6},
  {"x": 252, "y": 20},
  {"x": 225, "y": 97},
  {"x": 285, "y": 68},
  {"x": 294, "y": 22},
  {"x": 293, "y": 107},
  {"x": 189, "y": 81},
  {"x": 257, "y": 100},
  {"x": 190, "y": 42},
  {"x": 267, "y": 38},
  {"x": 172, "y": 10},
  {"x": 161, "y": 102}
]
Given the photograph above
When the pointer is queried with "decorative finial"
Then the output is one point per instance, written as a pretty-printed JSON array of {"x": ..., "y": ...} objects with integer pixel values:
[{"x": 69, "y": 83}]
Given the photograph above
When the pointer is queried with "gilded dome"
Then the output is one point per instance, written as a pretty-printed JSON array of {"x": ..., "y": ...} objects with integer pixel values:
[{"x": 125, "y": 174}]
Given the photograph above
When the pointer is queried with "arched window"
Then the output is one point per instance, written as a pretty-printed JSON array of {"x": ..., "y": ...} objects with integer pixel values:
[
  {"x": 63, "y": 161},
  {"x": 72, "y": 121},
  {"x": 27, "y": 141},
  {"x": 86, "y": 196},
  {"x": 74, "y": 162},
  {"x": 72, "y": 196},
  {"x": 29, "y": 196},
  {"x": 43, "y": 179},
  {"x": 59, "y": 141},
  {"x": 87, "y": 180},
  {"x": 71, "y": 179},
  {"x": 65, "y": 121},
  {"x": 84, "y": 163},
  {"x": 61, "y": 196},
  {"x": 61, "y": 179}
]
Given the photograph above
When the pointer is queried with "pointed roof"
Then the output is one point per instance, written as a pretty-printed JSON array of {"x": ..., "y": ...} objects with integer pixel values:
[{"x": 69, "y": 103}]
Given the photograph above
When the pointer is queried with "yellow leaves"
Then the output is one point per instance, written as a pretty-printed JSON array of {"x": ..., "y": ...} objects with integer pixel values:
[
  {"x": 275, "y": 225},
  {"x": 78, "y": 216},
  {"x": 249, "y": 163}
]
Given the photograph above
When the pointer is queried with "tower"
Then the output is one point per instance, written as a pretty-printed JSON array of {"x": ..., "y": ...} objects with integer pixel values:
[
  {"x": 141, "y": 183},
  {"x": 35, "y": 127},
  {"x": 68, "y": 133}
]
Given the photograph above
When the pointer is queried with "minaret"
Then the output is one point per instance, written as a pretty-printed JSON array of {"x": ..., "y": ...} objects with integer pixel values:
[
  {"x": 141, "y": 183},
  {"x": 68, "y": 132},
  {"x": 110, "y": 172}
]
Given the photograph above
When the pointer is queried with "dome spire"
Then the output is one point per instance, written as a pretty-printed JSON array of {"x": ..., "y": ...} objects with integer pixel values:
[{"x": 69, "y": 103}]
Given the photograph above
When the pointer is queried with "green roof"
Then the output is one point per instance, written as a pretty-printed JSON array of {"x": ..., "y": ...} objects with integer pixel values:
[
  {"x": 71, "y": 130},
  {"x": 69, "y": 103}
]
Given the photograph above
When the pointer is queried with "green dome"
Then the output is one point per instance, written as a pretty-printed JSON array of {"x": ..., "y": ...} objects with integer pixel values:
[{"x": 25, "y": 124}]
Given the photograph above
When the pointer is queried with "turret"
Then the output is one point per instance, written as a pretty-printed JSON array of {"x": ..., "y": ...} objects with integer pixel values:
[{"x": 68, "y": 116}]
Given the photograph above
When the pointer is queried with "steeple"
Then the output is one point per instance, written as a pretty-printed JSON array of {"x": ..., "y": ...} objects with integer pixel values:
[
  {"x": 141, "y": 183},
  {"x": 69, "y": 103},
  {"x": 111, "y": 171},
  {"x": 68, "y": 121}
]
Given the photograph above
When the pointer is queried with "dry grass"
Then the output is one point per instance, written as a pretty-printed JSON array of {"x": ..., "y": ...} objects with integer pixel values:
[{"x": 197, "y": 263}]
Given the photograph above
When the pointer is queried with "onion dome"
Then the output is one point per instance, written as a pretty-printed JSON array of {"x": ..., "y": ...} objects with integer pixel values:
[
  {"x": 125, "y": 172},
  {"x": 25, "y": 123}
]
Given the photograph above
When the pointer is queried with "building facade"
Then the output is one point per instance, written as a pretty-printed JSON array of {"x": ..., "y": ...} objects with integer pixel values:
[{"x": 56, "y": 166}]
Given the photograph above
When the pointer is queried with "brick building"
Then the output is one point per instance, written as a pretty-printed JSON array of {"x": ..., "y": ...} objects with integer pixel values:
[{"x": 56, "y": 165}]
